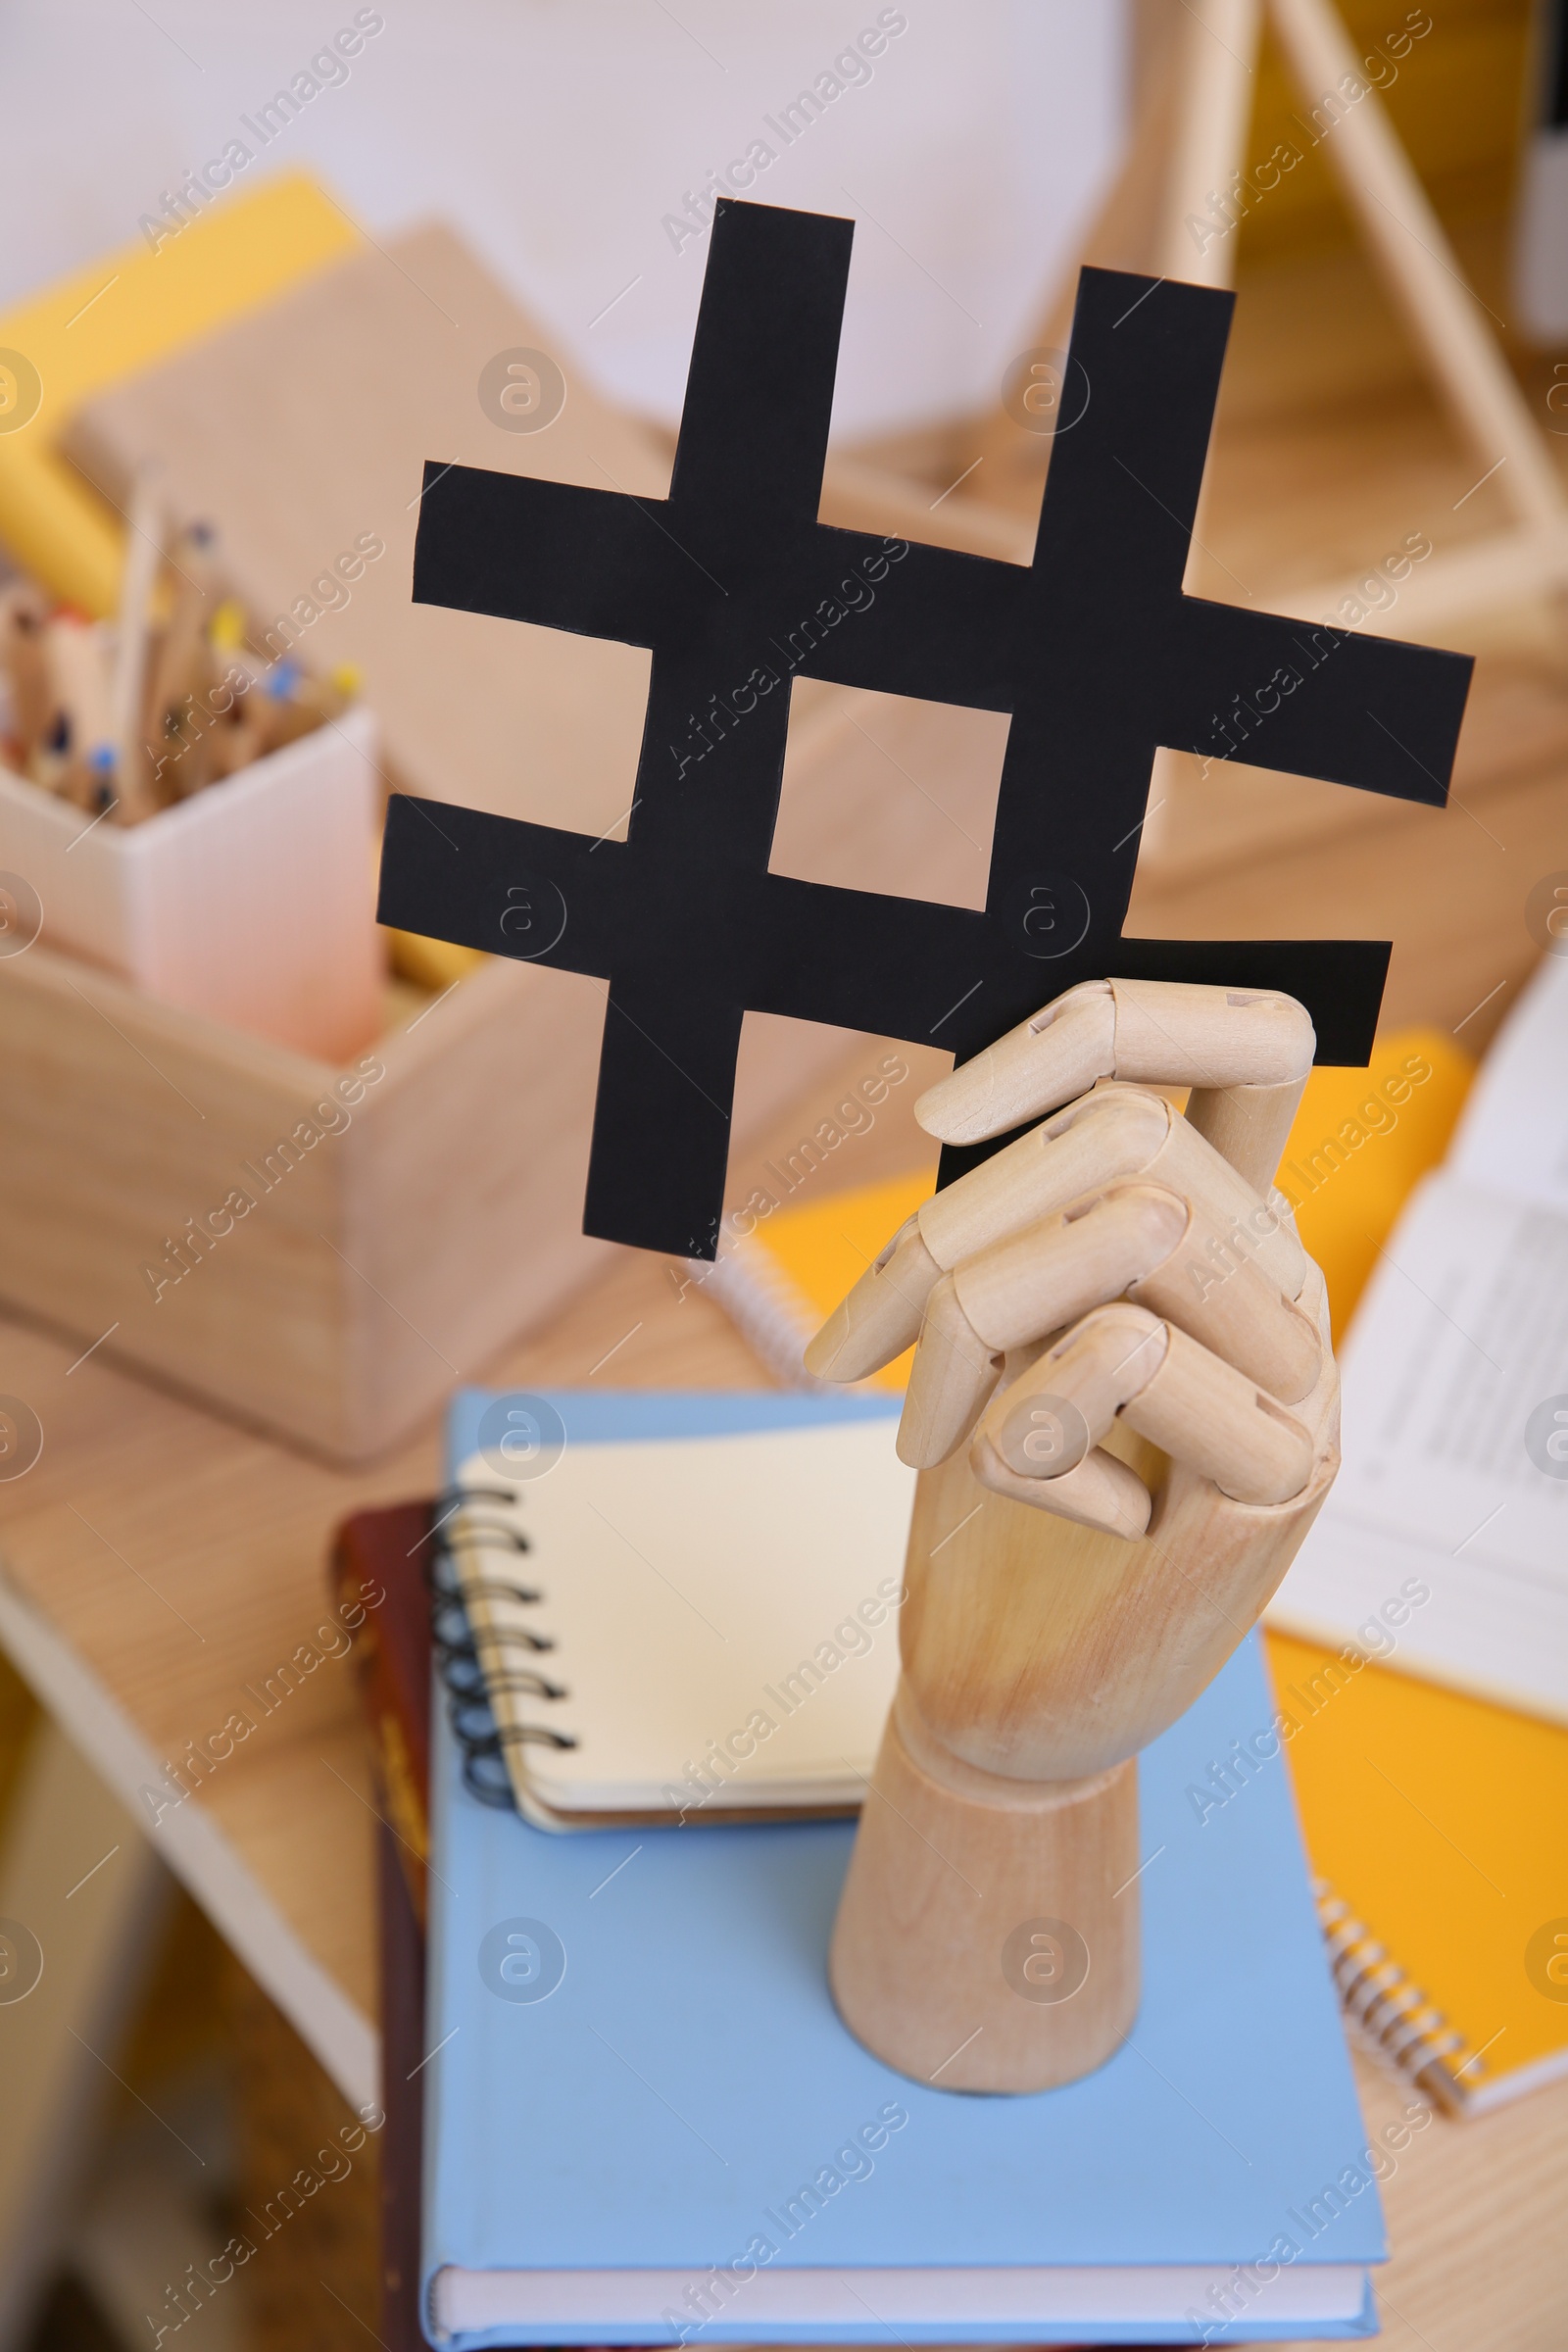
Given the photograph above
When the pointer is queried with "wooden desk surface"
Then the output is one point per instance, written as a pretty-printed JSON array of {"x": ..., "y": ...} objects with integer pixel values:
[{"x": 158, "y": 1560}]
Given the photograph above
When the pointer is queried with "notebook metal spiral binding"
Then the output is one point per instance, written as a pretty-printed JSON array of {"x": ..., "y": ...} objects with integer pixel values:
[
  {"x": 1400, "y": 2023},
  {"x": 474, "y": 1662}
]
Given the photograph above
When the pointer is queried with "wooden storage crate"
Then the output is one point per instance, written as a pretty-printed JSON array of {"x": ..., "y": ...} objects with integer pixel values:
[
  {"x": 323, "y": 1251},
  {"x": 429, "y": 1218}
]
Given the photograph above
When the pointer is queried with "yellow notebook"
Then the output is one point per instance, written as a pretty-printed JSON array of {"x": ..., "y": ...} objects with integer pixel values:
[
  {"x": 1438, "y": 1829},
  {"x": 1435, "y": 1822}
]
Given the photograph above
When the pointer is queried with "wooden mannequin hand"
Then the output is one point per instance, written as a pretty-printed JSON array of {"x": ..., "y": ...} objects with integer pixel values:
[
  {"x": 1124, "y": 1410},
  {"x": 1118, "y": 1274},
  {"x": 1113, "y": 1264}
]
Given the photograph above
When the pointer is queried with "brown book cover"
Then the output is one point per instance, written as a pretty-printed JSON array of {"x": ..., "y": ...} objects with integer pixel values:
[
  {"x": 385, "y": 1552},
  {"x": 379, "y": 1561},
  {"x": 402, "y": 1964}
]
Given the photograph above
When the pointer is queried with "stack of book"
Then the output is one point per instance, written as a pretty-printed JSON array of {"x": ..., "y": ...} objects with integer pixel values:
[{"x": 642, "y": 2121}]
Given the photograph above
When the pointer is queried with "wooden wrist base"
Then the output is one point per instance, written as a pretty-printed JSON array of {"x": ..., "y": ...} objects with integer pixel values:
[{"x": 988, "y": 1933}]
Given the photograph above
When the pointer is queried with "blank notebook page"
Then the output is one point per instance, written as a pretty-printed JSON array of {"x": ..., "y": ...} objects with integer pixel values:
[{"x": 721, "y": 1610}]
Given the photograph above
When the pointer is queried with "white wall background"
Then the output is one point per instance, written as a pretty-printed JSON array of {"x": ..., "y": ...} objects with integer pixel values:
[{"x": 558, "y": 136}]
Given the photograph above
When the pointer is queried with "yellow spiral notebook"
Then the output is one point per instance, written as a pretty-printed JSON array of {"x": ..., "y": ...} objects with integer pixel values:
[
  {"x": 1436, "y": 1827},
  {"x": 1436, "y": 1823}
]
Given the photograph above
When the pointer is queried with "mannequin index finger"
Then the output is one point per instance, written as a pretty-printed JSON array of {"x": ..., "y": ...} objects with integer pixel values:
[
  {"x": 881, "y": 1316},
  {"x": 1146, "y": 1032}
]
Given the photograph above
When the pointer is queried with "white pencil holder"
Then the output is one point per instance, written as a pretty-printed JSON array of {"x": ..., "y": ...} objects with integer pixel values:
[{"x": 252, "y": 901}]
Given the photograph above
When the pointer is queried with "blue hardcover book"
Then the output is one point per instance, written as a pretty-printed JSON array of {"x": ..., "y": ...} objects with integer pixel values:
[{"x": 645, "y": 2123}]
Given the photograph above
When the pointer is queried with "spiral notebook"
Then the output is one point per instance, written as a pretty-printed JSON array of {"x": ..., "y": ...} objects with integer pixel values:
[
  {"x": 675, "y": 1627},
  {"x": 1436, "y": 1826}
]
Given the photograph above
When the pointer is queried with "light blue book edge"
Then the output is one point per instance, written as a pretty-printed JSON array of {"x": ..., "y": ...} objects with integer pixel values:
[{"x": 688, "y": 2073}]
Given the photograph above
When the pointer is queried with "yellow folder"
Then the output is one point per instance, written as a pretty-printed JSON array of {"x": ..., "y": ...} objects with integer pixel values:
[
  {"x": 123, "y": 312},
  {"x": 132, "y": 310}
]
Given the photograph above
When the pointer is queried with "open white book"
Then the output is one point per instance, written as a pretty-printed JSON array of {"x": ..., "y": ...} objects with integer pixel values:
[
  {"x": 690, "y": 1613},
  {"x": 1443, "y": 1544}
]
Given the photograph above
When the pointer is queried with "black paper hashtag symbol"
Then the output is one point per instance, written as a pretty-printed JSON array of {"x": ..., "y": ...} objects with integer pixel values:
[{"x": 736, "y": 587}]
